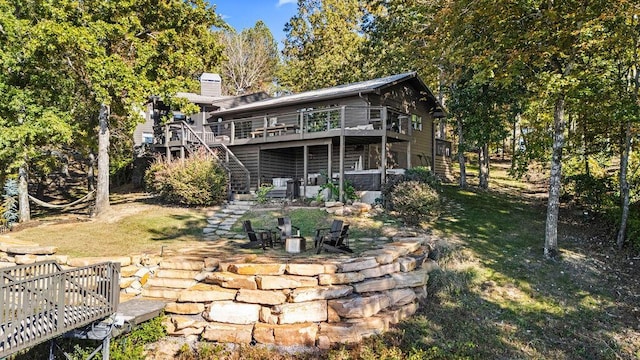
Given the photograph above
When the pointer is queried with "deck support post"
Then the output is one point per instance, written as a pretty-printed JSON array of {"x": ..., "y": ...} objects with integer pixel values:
[
  {"x": 106, "y": 343},
  {"x": 342, "y": 151},
  {"x": 167, "y": 133},
  {"x": 183, "y": 142},
  {"x": 383, "y": 150},
  {"x": 329, "y": 162},
  {"x": 410, "y": 133},
  {"x": 305, "y": 170}
]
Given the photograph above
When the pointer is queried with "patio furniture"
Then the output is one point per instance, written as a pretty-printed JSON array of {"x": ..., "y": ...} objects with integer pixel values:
[
  {"x": 339, "y": 244},
  {"x": 258, "y": 237},
  {"x": 336, "y": 227},
  {"x": 286, "y": 228},
  {"x": 293, "y": 243},
  {"x": 333, "y": 239}
]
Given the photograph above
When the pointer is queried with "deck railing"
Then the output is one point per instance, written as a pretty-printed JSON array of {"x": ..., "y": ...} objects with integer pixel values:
[
  {"x": 41, "y": 301},
  {"x": 361, "y": 118}
]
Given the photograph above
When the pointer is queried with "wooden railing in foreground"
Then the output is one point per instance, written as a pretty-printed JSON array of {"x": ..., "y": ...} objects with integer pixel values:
[{"x": 41, "y": 301}]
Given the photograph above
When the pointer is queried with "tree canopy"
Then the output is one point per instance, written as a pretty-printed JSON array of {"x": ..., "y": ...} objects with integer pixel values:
[{"x": 61, "y": 60}]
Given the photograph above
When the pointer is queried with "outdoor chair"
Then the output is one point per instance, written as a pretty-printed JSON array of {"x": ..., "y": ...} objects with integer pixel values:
[
  {"x": 339, "y": 244},
  {"x": 333, "y": 239},
  {"x": 257, "y": 238},
  {"x": 336, "y": 227},
  {"x": 286, "y": 229}
]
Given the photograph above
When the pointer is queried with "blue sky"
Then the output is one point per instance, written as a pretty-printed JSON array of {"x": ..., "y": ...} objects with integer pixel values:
[{"x": 241, "y": 14}]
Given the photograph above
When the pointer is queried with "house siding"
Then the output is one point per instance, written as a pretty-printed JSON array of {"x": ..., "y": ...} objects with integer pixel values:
[{"x": 405, "y": 98}]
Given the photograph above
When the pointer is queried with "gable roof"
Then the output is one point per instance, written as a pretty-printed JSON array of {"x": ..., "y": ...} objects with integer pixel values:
[{"x": 339, "y": 91}]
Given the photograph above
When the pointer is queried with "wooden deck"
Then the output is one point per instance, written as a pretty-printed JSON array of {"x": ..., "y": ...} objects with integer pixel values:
[{"x": 41, "y": 301}]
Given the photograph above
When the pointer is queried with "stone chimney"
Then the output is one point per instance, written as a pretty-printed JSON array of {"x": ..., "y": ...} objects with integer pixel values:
[{"x": 210, "y": 85}]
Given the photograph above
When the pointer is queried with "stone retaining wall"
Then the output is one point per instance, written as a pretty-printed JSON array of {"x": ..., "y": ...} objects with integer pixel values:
[{"x": 313, "y": 302}]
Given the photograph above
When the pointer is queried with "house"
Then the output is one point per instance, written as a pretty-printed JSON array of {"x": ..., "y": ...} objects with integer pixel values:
[{"x": 359, "y": 132}]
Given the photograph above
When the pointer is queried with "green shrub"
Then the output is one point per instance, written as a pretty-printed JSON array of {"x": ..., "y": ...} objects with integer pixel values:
[
  {"x": 262, "y": 191},
  {"x": 424, "y": 175},
  {"x": 198, "y": 180},
  {"x": 590, "y": 191},
  {"x": 420, "y": 174},
  {"x": 131, "y": 346},
  {"x": 350, "y": 193},
  {"x": 414, "y": 201}
]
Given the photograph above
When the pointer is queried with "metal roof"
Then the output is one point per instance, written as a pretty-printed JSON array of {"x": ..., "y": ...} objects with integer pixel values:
[
  {"x": 328, "y": 93},
  {"x": 201, "y": 99}
]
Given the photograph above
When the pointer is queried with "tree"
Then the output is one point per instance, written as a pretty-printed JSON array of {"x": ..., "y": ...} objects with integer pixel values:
[
  {"x": 69, "y": 60},
  {"x": 625, "y": 31},
  {"x": 323, "y": 45},
  {"x": 251, "y": 60}
]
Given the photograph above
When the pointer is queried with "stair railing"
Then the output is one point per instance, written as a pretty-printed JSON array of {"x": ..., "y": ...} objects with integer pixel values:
[{"x": 228, "y": 159}]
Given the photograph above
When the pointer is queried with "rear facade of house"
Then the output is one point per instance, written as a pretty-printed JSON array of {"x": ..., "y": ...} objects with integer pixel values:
[{"x": 360, "y": 132}]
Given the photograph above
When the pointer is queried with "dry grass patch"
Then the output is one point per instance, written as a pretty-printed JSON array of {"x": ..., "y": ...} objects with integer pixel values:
[{"x": 130, "y": 228}]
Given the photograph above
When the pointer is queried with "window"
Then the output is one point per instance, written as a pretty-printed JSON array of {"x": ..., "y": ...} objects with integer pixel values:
[
  {"x": 416, "y": 122},
  {"x": 147, "y": 138}
]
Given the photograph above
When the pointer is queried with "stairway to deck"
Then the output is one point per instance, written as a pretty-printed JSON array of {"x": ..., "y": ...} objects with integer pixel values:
[{"x": 184, "y": 140}]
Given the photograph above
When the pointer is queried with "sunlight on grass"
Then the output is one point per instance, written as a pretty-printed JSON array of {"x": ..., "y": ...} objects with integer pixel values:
[
  {"x": 144, "y": 231},
  {"x": 467, "y": 193}
]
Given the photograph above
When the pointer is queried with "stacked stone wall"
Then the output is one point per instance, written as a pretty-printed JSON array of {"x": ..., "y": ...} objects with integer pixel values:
[
  {"x": 315, "y": 301},
  {"x": 309, "y": 302}
]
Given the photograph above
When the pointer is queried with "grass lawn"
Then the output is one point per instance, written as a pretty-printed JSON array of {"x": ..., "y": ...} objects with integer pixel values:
[
  {"x": 131, "y": 228},
  {"x": 495, "y": 296}
]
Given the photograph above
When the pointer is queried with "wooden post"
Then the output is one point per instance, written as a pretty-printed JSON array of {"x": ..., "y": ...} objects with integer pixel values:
[
  {"x": 410, "y": 133},
  {"x": 383, "y": 151},
  {"x": 329, "y": 161},
  {"x": 305, "y": 155},
  {"x": 167, "y": 135},
  {"x": 341, "y": 192},
  {"x": 183, "y": 142}
]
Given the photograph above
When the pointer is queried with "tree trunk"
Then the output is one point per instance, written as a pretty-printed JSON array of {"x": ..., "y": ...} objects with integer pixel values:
[
  {"x": 102, "y": 187},
  {"x": 23, "y": 194},
  {"x": 461, "y": 161},
  {"x": 624, "y": 185},
  {"x": 91, "y": 176},
  {"x": 513, "y": 142},
  {"x": 483, "y": 162},
  {"x": 553, "y": 205}
]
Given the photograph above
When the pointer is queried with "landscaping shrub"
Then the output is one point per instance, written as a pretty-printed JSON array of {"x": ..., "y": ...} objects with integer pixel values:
[
  {"x": 414, "y": 201},
  {"x": 262, "y": 192},
  {"x": 350, "y": 194},
  {"x": 419, "y": 174},
  {"x": 424, "y": 175},
  {"x": 198, "y": 180}
]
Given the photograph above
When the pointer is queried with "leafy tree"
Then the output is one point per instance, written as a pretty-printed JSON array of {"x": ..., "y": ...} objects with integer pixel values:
[
  {"x": 323, "y": 45},
  {"x": 251, "y": 60},
  {"x": 67, "y": 62}
]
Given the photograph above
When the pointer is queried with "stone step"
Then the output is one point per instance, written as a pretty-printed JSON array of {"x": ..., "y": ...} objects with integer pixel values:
[
  {"x": 182, "y": 264},
  {"x": 32, "y": 250},
  {"x": 161, "y": 293},
  {"x": 173, "y": 283},
  {"x": 177, "y": 274},
  {"x": 233, "y": 212}
]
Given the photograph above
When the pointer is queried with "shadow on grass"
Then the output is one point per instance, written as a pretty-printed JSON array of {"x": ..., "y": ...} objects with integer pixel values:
[
  {"x": 190, "y": 226},
  {"x": 496, "y": 297}
]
